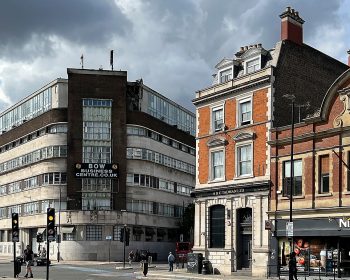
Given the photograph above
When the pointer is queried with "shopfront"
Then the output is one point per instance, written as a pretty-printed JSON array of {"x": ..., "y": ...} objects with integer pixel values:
[{"x": 321, "y": 246}]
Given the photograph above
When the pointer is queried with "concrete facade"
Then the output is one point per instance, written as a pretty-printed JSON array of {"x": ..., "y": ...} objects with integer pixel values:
[{"x": 96, "y": 116}]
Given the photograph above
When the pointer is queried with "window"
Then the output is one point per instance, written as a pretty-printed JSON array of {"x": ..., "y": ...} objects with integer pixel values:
[
  {"x": 324, "y": 174},
  {"x": 298, "y": 176},
  {"x": 252, "y": 65},
  {"x": 217, "y": 226},
  {"x": 117, "y": 232},
  {"x": 217, "y": 165},
  {"x": 93, "y": 232},
  {"x": 217, "y": 118},
  {"x": 244, "y": 160},
  {"x": 225, "y": 75},
  {"x": 245, "y": 112}
]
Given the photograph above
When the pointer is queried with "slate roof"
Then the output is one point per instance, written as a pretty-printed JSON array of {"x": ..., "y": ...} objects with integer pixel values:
[{"x": 305, "y": 72}]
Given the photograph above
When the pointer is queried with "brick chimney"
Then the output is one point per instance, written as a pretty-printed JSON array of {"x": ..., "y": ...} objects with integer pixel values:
[
  {"x": 291, "y": 26},
  {"x": 349, "y": 58}
]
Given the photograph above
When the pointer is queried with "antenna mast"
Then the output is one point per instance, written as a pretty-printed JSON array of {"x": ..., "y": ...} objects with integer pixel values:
[
  {"x": 111, "y": 59},
  {"x": 82, "y": 61}
]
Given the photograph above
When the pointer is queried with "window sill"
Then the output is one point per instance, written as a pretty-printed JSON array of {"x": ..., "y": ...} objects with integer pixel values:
[
  {"x": 216, "y": 181},
  {"x": 324, "y": 194},
  {"x": 346, "y": 193},
  {"x": 294, "y": 197},
  {"x": 244, "y": 177}
]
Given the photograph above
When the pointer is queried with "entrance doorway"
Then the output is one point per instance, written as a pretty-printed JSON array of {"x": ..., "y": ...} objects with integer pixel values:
[{"x": 244, "y": 239}]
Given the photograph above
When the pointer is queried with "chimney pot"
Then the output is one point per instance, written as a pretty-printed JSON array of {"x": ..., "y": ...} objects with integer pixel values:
[
  {"x": 242, "y": 49},
  {"x": 260, "y": 45},
  {"x": 292, "y": 26},
  {"x": 245, "y": 48},
  {"x": 348, "y": 57}
]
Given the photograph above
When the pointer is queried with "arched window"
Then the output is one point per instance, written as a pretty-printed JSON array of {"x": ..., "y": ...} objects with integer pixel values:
[{"x": 217, "y": 226}]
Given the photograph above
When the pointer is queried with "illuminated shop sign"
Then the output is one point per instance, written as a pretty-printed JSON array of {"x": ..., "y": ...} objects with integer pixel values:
[
  {"x": 344, "y": 223},
  {"x": 96, "y": 170}
]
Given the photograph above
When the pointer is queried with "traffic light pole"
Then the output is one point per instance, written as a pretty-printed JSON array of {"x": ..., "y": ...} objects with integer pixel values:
[
  {"x": 47, "y": 259},
  {"x": 124, "y": 245},
  {"x": 14, "y": 259}
]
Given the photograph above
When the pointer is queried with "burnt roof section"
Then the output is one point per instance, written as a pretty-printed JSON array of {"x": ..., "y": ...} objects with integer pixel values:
[{"x": 307, "y": 74}]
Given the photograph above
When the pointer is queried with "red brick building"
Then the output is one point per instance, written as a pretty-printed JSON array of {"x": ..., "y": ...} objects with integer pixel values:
[
  {"x": 321, "y": 196},
  {"x": 234, "y": 117}
]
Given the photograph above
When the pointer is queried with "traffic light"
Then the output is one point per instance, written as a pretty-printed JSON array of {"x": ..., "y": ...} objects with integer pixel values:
[
  {"x": 121, "y": 239},
  {"x": 51, "y": 233},
  {"x": 127, "y": 237},
  {"x": 15, "y": 229},
  {"x": 39, "y": 238}
]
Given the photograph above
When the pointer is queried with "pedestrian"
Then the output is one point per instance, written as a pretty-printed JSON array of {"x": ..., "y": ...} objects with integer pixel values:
[
  {"x": 28, "y": 258},
  {"x": 144, "y": 263},
  {"x": 137, "y": 256},
  {"x": 292, "y": 267},
  {"x": 171, "y": 260},
  {"x": 131, "y": 257}
]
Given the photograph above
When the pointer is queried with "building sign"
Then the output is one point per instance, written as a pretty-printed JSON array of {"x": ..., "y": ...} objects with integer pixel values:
[
  {"x": 96, "y": 170},
  {"x": 231, "y": 190},
  {"x": 344, "y": 223}
]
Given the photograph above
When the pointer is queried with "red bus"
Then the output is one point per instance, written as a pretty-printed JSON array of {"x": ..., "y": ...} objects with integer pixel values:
[{"x": 182, "y": 249}]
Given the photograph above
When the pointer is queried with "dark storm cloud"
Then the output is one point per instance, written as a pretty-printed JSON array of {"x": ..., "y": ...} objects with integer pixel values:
[{"x": 24, "y": 23}]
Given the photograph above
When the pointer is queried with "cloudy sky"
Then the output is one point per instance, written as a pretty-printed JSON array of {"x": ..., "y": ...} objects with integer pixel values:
[{"x": 172, "y": 44}]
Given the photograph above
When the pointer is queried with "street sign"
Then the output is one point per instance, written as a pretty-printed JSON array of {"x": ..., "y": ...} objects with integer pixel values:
[
  {"x": 289, "y": 229},
  {"x": 109, "y": 237}
]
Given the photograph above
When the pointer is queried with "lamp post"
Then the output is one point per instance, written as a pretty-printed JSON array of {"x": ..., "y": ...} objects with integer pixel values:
[
  {"x": 292, "y": 99},
  {"x": 59, "y": 226}
]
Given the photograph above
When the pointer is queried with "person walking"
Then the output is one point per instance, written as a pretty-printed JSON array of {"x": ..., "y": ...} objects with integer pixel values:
[
  {"x": 131, "y": 257},
  {"x": 144, "y": 262},
  {"x": 292, "y": 267},
  {"x": 171, "y": 260},
  {"x": 28, "y": 258}
]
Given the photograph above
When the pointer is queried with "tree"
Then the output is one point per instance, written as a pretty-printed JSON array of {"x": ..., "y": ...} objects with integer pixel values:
[{"x": 186, "y": 225}]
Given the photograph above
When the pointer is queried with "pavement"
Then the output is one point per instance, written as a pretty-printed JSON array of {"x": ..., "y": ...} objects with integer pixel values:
[{"x": 159, "y": 271}]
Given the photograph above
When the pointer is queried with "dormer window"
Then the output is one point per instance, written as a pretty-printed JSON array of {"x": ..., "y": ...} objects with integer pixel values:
[
  {"x": 252, "y": 65},
  {"x": 225, "y": 75}
]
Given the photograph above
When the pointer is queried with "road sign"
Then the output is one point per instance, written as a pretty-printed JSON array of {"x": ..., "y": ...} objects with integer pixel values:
[
  {"x": 109, "y": 237},
  {"x": 289, "y": 229}
]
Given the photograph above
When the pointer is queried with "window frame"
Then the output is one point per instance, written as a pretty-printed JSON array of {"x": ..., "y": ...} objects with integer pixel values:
[
  {"x": 211, "y": 166},
  {"x": 238, "y": 161},
  {"x": 218, "y": 242},
  {"x": 220, "y": 72},
  {"x": 322, "y": 176},
  {"x": 241, "y": 101},
  {"x": 285, "y": 191},
  {"x": 258, "y": 58},
  {"x": 216, "y": 108}
]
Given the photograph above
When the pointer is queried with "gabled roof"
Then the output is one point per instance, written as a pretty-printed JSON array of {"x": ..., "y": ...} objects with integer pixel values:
[{"x": 225, "y": 62}]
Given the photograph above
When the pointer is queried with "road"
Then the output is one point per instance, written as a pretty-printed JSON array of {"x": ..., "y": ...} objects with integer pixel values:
[{"x": 73, "y": 272}]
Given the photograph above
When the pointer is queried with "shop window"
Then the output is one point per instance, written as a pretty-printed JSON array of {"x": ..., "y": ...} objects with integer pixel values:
[
  {"x": 217, "y": 226},
  {"x": 149, "y": 233},
  {"x": 137, "y": 233},
  {"x": 324, "y": 174},
  {"x": 298, "y": 176}
]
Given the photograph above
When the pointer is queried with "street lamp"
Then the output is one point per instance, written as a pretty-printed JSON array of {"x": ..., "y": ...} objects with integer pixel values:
[{"x": 291, "y": 97}]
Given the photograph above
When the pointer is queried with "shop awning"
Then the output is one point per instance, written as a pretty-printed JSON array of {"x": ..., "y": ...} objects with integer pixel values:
[
  {"x": 67, "y": 229},
  {"x": 161, "y": 232},
  {"x": 41, "y": 230},
  {"x": 137, "y": 231}
]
